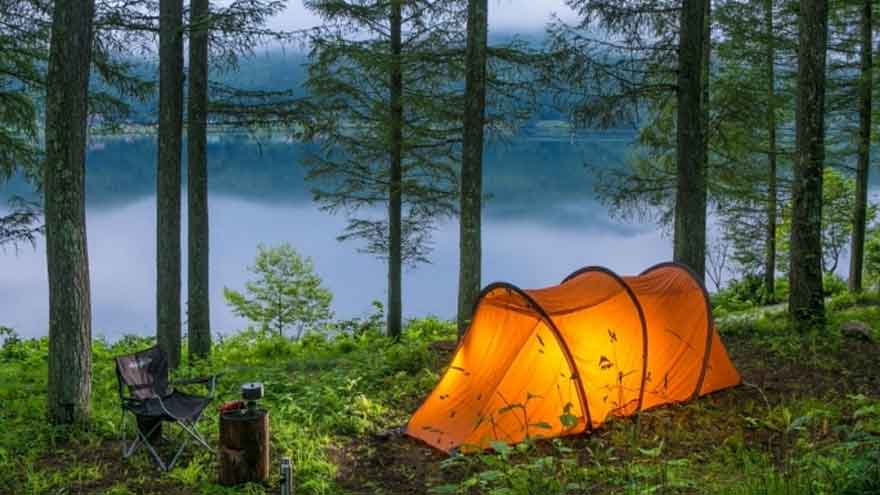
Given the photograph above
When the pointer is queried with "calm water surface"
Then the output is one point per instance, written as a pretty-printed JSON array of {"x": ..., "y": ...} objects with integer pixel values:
[{"x": 541, "y": 222}]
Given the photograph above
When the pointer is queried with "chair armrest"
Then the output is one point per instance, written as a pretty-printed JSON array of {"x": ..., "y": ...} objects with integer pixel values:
[
  {"x": 191, "y": 381},
  {"x": 212, "y": 380}
]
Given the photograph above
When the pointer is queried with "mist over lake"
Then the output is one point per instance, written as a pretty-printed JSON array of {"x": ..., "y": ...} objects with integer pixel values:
[{"x": 541, "y": 222}]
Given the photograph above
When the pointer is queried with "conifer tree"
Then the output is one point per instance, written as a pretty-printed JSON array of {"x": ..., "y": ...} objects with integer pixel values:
[
  {"x": 806, "y": 304},
  {"x": 168, "y": 176},
  {"x": 383, "y": 111},
  {"x": 752, "y": 101},
  {"x": 70, "y": 319},
  {"x": 863, "y": 87},
  {"x": 470, "y": 203},
  {"x": 198, "y": 302},
  {"x": 623, "y": 57}
]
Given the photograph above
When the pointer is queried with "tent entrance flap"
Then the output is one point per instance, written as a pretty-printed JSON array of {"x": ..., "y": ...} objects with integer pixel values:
[{"x": 560, "y": 360}]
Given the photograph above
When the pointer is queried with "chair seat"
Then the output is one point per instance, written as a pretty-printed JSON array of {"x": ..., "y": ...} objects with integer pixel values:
[{"x": 181, "y": 406}]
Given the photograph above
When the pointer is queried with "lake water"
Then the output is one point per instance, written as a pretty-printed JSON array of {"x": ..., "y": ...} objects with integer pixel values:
[{"x": 541, "y": 222}]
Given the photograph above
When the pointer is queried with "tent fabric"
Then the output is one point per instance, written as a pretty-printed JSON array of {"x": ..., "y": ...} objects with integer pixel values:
[{"x": 561, "y": 360}]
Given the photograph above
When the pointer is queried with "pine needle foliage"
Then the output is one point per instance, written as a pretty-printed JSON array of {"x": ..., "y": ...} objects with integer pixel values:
[{"x": 351, "y": 117}]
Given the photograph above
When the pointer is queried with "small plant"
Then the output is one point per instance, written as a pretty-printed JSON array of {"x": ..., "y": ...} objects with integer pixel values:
[
  {"x": 833, "y": 284},
  {"x": 286, "y": 294},
  {"x": 358, "y": 326},
  {"x": 10, "y": 344},
  {"x": 872, "y": 257},
  {"x": 747, "y": 292},
  {"x": 518, "y": 470}
]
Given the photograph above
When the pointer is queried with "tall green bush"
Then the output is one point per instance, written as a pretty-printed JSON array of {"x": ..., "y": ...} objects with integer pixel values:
[{"x": 287, "y": 293}]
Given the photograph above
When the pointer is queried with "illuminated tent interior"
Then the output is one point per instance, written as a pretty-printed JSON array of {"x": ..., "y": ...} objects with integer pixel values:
[{"x": 561, "y": 360}]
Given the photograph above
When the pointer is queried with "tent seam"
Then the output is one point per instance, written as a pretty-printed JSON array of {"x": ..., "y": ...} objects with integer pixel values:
[
  {"x": 710, "y": 319},
  {"x": 542, "y": 313},
  {"x": 638, "y": 305}
]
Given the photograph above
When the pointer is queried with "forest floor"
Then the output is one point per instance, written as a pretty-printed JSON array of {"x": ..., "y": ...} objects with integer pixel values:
[{"x": 806, "y": 420}]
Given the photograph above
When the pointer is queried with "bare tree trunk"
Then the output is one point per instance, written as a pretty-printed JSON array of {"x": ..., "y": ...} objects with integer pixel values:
[
  {"x": 704, "y": 108},
  {"x": 470, "y": 239},
  {"x": 198, "y": 305},
  {"x": 770, "y": 242},
  {"x": 70, "y": 319},
  {"x": 864, "y": 161},
  {"x": 168, "y": 179},
  {"x": 395, "y": 240},
  {"x": 689, "y": 243},
  {"x": 806, "y": 302}
]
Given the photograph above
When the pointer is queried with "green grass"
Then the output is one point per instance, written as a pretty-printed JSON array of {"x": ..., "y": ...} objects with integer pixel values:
[
  {"x": 807, "y": 423},
  {"x": 318, "y": 393}
]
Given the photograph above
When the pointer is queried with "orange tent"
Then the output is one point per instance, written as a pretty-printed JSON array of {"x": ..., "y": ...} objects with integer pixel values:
[{"x": 559, "y": 361}]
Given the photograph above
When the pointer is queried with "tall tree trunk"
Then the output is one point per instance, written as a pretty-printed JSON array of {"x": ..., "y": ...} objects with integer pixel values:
[
  {"x": 864, "y": 160},
  {"x": 70, "y": 319},
  {"x": 705, "y": 102},
  {"x": 198, "y": 306},
  {"x": 168, "y": 179},
  {"x": 470, "y": 239},
  {"x": 806, "y": 303},
  {"x": 770, "y": 242},
  {"x": 395, "y": 240},
  {"x": 689, "y": 243}
]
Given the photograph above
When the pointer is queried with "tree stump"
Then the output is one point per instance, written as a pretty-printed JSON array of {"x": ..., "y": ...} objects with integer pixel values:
[{"x": 244, "y": 446}]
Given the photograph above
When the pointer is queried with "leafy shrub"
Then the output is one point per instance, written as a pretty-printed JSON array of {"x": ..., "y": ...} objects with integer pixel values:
[
  {"x": 844, "y": 300},
  {"x": 287, "y": 292},
  {"x": 838, "y": 202},
  {"x": 872, "y": 257},
  {"x": 407, "y": 359},
  {"x": 496, "y": 472},
  {"x": 833, "y": 284},
  {"x": 12, "y": 348},
  {"x": 374, "y": 322},
  {"x": 429, "y": 329},
  {"x": 747, "y": 293}
]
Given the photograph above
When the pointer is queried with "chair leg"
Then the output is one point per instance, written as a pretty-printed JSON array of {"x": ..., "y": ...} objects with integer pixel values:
[
  {"x": 189, "y": 432},
  {"x": 194, "y": 433},
  {"x": 177, "y": 454},
  {"x": 123, "y": 436},
  {"x": 142, "y": 439},
  {"x": 128, "y": 451},
  {"x": 156, "y": 457},
  {"x": 187, "y": 428}
]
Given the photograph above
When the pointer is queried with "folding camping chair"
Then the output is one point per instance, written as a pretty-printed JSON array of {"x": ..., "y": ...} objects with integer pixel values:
[{"x": 152, "y": 400}]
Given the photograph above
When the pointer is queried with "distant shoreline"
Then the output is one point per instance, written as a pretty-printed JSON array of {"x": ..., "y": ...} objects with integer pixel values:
[{"x": 547, "y": 129}]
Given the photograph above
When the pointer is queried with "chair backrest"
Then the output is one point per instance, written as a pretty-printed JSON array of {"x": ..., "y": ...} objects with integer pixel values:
[{"x": 145, "y": 373}]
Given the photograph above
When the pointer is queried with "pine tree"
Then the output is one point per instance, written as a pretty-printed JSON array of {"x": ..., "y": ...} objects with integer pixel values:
[
  {"x": 70, "y": 331},
  {"x": 618, "y": 60},
  {"x": 772, "y": 157},
  {"x": 470, "y": 203},
  {"x": 24, "y": 49},
  {"x": 865, "y": 89},
  {"x": 168, "y": 201},
  {"x": 383, "y": 111},
  {"x": 198, "y": 304},
  {"x": 753, "y": 72},
  {"x": 689, "y": 238},
  {"x": 806, "y": 303}
]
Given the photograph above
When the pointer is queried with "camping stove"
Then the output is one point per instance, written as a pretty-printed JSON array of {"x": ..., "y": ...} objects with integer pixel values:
[{"x": 250, "y": 394}]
